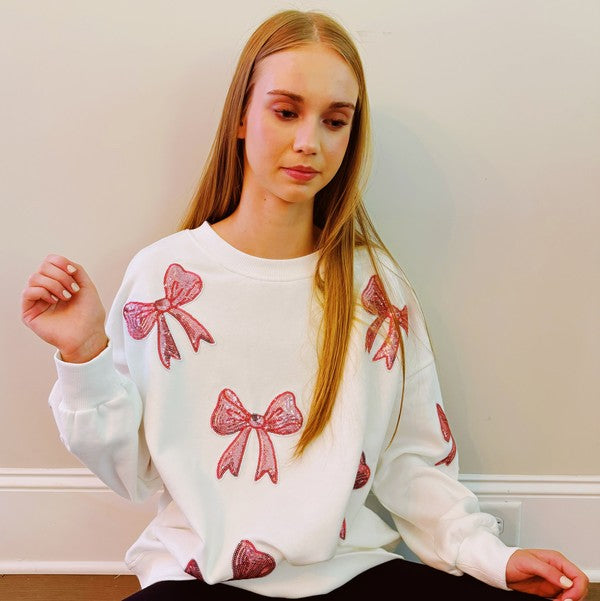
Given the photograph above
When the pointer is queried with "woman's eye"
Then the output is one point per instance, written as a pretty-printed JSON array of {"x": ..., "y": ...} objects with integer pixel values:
[
  {"x": 336, "y": 123},
  {"x": 285, "y": 114}
]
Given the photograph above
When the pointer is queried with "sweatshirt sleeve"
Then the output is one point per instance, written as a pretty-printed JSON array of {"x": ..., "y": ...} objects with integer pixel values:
[
  {"x": 416, "y": 478},
  {"x": 98, "y": 410}
]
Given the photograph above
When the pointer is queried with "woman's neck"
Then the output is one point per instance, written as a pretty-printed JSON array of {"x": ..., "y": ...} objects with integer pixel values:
[{"x": 272, "y": 232}]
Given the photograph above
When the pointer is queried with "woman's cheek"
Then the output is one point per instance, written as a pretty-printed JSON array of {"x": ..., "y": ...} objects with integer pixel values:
[
  {"x": 338, "y": 150},
  {"x": 261, "y": 143}
]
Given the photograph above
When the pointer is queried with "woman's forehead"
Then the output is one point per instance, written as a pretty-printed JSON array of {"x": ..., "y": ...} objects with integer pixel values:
[{"x": 314, "y": 72}]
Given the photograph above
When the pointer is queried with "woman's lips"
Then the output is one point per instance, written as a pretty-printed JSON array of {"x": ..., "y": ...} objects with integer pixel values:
[{"x": 300, "y": 173}]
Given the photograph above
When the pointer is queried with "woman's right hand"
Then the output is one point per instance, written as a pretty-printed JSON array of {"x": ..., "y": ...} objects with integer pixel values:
[{"x": 63, "y": 308}]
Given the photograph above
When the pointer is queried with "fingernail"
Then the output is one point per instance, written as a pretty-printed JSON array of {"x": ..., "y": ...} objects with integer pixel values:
[
  {"x": 566, "y": 583},
  {"x": 568, "y": 599},
  {"x": 71, "y": 269},
  {"x": 54, "y": 297},
  {"x": 66, "y": 294},
  {"x": 75, "y": 287}
]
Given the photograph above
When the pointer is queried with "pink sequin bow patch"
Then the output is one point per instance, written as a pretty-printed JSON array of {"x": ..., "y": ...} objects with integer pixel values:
[
  {"x": 363, "y": 473},
  {"x": 374, "y": 302},
  {"x": 230, "y": 416},
  {"x": 181, "y": 287},
  {"x": 447, "y": 434},
  {"x": 248, "y": 562}
]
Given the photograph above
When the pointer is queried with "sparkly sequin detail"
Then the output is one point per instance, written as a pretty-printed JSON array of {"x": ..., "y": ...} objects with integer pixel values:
[
  {"x": 374, "y": 302},
  {"x": 193, "y": 570},
  {"x": 230, "y": 416},
  {"x": 343, "y": 530},
  {"x": 363, "y": 473},
  {"x": 248, "y": 562},
  {"x": 181, "y": 287},
  {"x": 447, "y": 434}
]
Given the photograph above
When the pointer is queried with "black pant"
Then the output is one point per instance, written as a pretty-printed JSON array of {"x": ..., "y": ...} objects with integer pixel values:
[{"x": 403, "y": 579}]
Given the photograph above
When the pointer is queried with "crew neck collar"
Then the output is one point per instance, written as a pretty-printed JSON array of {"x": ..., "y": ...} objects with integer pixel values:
[{"x": 260, "y": 268}]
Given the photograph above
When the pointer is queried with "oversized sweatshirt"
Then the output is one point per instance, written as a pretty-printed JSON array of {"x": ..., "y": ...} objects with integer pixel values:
[{"x": 203, "y": 392}]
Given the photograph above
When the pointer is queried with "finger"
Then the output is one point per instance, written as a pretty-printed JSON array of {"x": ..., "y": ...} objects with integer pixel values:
[
  {"x": 33, "y": 294},
  {"x": 55, "y": 287},
  {"x": 557, "y": 559},
  {"x": 572, "y": 595},
  {"x": 579, "y": 578},
  {"x": 35, "y": 301},
  {"x": 573, "y": 580},
  {"x": 75, "y": 270},
  {"x": 578, "y": 591},
  {"x": 69, "y": 283},
  {"x": 540, "y": 566},
  {"x": 562, "y": 563},
  {"x": 79, "y": 275}
]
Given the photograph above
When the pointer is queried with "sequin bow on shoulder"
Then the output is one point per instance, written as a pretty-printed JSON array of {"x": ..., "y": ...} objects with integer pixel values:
[
  {"x": 181, "y": 287},
  {"x": 373, "y": 301}
]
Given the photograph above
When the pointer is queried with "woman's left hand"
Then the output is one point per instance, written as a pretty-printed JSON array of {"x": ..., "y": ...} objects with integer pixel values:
[{"x": 547, "y": 574}]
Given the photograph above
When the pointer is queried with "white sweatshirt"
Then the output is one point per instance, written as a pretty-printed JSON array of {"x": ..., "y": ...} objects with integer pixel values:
[{"x": 202, "y": 394}]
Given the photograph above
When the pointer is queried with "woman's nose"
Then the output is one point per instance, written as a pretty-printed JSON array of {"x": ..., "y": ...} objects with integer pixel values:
[{"x": 306, "y": 139}]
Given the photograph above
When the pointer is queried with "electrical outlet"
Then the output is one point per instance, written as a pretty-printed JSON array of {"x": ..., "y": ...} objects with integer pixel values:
[
  {"x": 508, "y": 516},
  {"x": 500, "y": 522}
]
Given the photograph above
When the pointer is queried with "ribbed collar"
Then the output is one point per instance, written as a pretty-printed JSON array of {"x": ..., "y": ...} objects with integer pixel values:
[{"x": 254, "y": 267}]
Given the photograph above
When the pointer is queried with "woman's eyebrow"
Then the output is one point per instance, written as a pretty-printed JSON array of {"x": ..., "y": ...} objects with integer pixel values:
[{"x": 298, "y": 98}]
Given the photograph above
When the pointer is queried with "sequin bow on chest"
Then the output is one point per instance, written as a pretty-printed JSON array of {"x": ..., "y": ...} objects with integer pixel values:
[{"x": 230, "y": 416}]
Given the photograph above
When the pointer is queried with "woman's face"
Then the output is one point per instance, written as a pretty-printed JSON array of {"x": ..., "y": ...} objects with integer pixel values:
[{"x": 297, "y": 124}]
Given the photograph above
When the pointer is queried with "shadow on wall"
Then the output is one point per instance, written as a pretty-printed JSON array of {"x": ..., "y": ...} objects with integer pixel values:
[{"x": 428, "y": 188}]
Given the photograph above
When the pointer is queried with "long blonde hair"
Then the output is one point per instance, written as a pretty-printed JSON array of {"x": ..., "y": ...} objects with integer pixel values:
[{"x": 338, "y": 208}]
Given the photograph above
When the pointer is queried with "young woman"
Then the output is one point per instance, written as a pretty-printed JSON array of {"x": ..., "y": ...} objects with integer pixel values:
[{"x": 267, "y": 366}]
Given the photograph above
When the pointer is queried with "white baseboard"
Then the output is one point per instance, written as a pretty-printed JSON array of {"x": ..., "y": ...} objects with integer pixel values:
[
  {"x": 66, "y": 521},
  {"x": 512, "y": 487},
  {"x": 557, "y": 512}
]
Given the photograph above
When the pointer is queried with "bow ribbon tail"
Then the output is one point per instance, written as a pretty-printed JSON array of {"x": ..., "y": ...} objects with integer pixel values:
[
  {"x": 449, "y": 458},
  {"x": 267, "y": 463},
  {"x": 372, "y": 332},
  {"x": 447, "y": 434},
  {"x": 167, "y": 348},
  {"x": 389, "y": 348},
  {"x": 444, "y": 425},
  {"x": 231, "y": 458},
  {"x": 193, "y": 328}
]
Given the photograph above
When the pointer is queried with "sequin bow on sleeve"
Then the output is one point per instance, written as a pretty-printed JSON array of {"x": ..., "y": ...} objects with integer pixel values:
[
  {"x": 447, "y": 434},
  {"x": 230, "y": 416},
  {"x": 373, "y": 301},
  {"x": 181, "y": 287}
]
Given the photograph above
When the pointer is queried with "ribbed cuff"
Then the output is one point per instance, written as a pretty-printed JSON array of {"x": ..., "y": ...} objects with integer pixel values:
[
  {"x": 87, "y": 385},
  {"x": 484, "y": 556}
]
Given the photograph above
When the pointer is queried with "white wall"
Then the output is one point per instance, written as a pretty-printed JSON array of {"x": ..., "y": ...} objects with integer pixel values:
[{"x": 485, "y": 186}]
